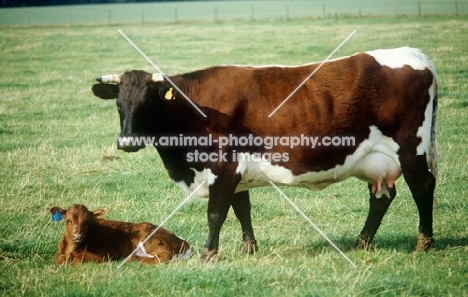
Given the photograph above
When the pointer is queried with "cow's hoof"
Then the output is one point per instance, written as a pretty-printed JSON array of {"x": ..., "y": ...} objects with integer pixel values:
[
  {"x": 362, "y": 243},
  {"x": 424, "y": 243},
  {"x": 249, "y": 247},
  {"x": 209, "y": 256}
]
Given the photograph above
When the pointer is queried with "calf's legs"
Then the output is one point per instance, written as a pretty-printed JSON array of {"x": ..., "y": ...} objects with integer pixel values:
[{"x": 86, "y": 256}]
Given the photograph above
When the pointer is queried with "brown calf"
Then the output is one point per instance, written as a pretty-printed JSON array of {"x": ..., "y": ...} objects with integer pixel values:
[{"x": 90, "y": 238}]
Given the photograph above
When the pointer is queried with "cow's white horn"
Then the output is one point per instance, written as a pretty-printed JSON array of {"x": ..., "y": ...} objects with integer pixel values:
[
  {"x": 111, "y": 78},
  {"x": 157, "y": 77}
]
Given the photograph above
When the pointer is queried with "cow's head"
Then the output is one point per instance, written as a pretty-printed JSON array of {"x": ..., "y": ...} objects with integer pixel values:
[
  {"x": 77, "y": 219},
  {"x": 137, "y": 93}
]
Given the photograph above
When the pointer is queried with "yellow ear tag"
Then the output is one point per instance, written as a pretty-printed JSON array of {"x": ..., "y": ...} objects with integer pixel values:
[{"x": 169, "y": 95}]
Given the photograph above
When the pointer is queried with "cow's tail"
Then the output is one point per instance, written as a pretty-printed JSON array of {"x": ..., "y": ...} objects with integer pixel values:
[{"x": 433, "y": 147}]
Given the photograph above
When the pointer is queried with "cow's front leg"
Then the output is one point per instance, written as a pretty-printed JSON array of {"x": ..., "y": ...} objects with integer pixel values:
[
  {"x": 241, "y": 207},
  {"x": 221, "y": 197}
]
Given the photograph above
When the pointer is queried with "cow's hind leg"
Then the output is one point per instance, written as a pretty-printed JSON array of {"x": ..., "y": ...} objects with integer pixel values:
[
  {"x": 241, "y": 207},
  {"x": 377, "y": 209},
  {"x": 422, "y": 184}
]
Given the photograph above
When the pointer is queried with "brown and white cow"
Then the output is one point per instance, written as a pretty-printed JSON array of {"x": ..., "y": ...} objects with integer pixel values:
[
  {"x": 384, "y": 100},
  {"x": 90, "y": 238}
]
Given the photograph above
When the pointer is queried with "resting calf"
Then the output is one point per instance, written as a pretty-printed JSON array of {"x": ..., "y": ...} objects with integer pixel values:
[{"x": 90, "y": 238}]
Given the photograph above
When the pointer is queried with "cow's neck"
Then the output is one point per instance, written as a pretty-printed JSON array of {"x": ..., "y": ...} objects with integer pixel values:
[{"x": 178, "y": 117}]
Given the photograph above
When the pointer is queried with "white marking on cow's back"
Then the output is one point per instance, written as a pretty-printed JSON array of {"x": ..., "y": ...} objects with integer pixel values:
[
  {"x": 374, "y": 159},
  {"x": 402, "y": 56},
  {"x": 200, "y": 176}
]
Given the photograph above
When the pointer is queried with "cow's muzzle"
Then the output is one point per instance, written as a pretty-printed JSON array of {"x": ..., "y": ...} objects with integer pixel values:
[{"x": 129, "y": 144}]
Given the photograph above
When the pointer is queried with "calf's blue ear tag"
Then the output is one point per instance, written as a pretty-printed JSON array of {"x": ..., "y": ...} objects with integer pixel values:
[{"x": 57, "y": 216}]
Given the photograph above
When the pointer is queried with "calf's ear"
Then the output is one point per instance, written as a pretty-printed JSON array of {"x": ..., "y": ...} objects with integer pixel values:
[
  {"x": 57, "y": 213},
  {"x": 58, "y": 209},
  {"x": 105, "y": 91},
  {"x": 99, "y": 213}
]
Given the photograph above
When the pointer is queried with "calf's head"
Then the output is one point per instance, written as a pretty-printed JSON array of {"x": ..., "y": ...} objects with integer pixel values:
[
  {"x": 136, "y": 93},
  {"x": 77, "y": 219}
]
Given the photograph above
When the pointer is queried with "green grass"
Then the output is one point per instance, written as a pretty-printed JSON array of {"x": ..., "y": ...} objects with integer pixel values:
[{"x": 54, "y": 134}]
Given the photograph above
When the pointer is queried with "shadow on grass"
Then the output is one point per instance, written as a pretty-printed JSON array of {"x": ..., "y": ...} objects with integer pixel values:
[
  {"x": 408, "y": 243},
  {"x": 399, "y": 244}
]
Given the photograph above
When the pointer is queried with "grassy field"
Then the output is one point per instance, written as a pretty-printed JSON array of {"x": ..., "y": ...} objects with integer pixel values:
[{"x": 54, "y": 134}]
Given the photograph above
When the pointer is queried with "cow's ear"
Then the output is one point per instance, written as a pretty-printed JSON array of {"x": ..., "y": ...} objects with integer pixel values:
[
  {"x": 167, "y": 92},
  {"x": 99, "y": 213},
  {"x": 105, "y": 91}
]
